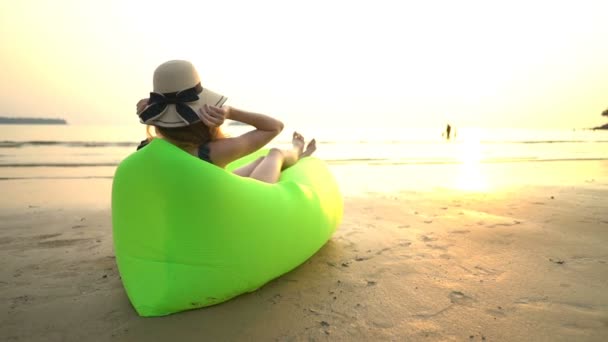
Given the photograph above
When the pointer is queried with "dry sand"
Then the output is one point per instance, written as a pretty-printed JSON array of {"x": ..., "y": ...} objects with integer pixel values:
[{"x": 524, "y": 263}]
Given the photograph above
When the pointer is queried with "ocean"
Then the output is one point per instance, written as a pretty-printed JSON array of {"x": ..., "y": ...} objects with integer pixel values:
[{"x": 81, "y": 151}]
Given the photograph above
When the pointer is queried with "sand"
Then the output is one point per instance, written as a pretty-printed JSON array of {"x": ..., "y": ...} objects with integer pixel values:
[{"x": 527, "y": 261}]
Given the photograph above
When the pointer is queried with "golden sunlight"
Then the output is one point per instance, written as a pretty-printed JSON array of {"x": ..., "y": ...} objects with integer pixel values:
[
  {"x": 407, "y": 61},
  {"x": 470, "y": 176}
]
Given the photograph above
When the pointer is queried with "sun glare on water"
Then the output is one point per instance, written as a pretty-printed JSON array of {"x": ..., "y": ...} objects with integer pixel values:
[{"x": 470, "y": 176}]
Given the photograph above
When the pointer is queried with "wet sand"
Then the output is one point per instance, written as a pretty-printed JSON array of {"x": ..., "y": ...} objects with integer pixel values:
[{"x": 528, "y": 261}]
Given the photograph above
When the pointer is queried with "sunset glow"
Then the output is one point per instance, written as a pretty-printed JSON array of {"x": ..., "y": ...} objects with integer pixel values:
[{"x": 471, "y": 63}]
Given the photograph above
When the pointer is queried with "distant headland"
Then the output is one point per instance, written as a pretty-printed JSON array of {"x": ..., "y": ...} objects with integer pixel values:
[
  {"x": 601, "y": 127},
  {"x": 604, "y": 113},
  {"x": 31, "y": 121}
]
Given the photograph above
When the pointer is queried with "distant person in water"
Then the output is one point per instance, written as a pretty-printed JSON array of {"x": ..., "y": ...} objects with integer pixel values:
[{"x": 448, "y": 131}]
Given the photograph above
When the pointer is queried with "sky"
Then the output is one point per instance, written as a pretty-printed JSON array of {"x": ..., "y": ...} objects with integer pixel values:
[{"x": 353, "y": 63}]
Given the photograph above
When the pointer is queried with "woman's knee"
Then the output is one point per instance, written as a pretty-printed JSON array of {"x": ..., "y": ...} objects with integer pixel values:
[{"x": 274, "y": 153}]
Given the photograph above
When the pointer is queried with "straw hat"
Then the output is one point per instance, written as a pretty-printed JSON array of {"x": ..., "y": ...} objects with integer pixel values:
[{"x": 177, "y": 97}]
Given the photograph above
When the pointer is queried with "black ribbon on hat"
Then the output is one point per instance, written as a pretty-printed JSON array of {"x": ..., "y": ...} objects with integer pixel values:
[{"x": 158, "y": 103}]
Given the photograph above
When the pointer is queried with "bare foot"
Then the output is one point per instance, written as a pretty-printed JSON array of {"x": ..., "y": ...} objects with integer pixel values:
[
  {"x": 310, "y": 149},
  {"x": 298, "y": 143},
  {"x": 290, "y": 157}
]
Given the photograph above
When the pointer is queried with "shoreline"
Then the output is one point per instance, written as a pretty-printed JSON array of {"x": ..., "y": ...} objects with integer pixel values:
[{"x": 529, "y": 171}]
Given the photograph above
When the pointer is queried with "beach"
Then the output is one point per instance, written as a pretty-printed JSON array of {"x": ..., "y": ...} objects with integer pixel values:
[
  {"x": 469, "y": 142},
  {"x": 420, "y": 255}
]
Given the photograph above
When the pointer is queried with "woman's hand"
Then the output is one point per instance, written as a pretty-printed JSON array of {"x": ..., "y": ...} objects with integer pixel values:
[
  {"x": 213, "y": 116},
  {"x": 141, "y": 105}
]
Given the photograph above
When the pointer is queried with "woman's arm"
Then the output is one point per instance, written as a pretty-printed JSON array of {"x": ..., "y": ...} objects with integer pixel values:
[
  {"x": 260, "y": 121},
  {"x": 224, "y": 151}
]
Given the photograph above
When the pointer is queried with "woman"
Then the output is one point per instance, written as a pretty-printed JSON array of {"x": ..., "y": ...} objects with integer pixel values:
[{"x": 189, "y": 116}]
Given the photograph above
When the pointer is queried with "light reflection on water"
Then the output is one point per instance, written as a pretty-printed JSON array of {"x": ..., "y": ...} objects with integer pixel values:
[
  {"x": 470, "y": 176},
  {"x": 381, "y": 158}
]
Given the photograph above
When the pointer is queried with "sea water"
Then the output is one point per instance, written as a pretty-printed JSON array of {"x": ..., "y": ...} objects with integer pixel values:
[{"x": 80, "y": 151}]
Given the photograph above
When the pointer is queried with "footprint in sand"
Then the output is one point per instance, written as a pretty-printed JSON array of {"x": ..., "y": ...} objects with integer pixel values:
[
  {"x": 589, "y": 316},
  {"x": 16, "y": 301},
  {"x": 460, "y": 231},
  {"x": 359, "y": 258},
  {"x": 531, "y": 300},
  {"x": 404, "y": 243},
  {"x": 498, "y": 312},
  {"x": 503, "y": 224},
  {"x": 61, "y": 243},
  {"x": 436, "y": 246},
  {"x": 457, "y": 297},
  {"x": 383, "y": 250},
  {"x": 115, "y": 316},
  {"x": 379, "y": 252},
  {"x": 5, "y": 240},
  {"x": 45, "y": 236},
  {"x": 426, "y": 238},
  {"x": 66, "y": 274},
  {"x": 485, "y": 271}
]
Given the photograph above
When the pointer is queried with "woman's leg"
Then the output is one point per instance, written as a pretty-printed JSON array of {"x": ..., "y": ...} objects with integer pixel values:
[
  {"x": 310, "y": 148},
  {"x": 269, "y": 168},
  {"x": 245, "y": 171}
]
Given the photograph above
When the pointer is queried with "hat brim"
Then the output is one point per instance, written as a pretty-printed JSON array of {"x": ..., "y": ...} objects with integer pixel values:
[{"x": 170, "y": 117}]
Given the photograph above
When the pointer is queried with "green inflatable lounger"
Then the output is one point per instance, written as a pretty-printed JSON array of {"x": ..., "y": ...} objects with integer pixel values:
[{"x": 188, "y": 234}]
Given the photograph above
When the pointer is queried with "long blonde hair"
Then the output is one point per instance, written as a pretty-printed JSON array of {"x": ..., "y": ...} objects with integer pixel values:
[{"x": 188, "y": 137}]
